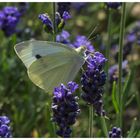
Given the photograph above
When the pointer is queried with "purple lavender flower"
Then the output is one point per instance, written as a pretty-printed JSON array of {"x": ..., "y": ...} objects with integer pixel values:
[
  {"x": 131, "y": 37},
  {"x": 113, "y": 71},
  {"x": 22, "y": 7},
  {"x": 115, "y": 133},
  {"x": 82, "y": 41},
  {"x": 93, "y": 80},
  {"x": 4, "y": 128},
  {"x": 47, "y": 22},
  {"x": 9, "y": 18},
  {"x": 11, "y": 11},
  {"x": 78, "y": 5},
  {"x": 63, "y": 6},
  {"x": 60, "y": 21},
  {"x": 66, "y": 15},
  {"x": 63, "y": 37},
  {"x": 65, "y": 108},
  {"x": 2, "y": 17},
  {"x": 113, "y": 5},
  {"x": 126, "y": 51}
]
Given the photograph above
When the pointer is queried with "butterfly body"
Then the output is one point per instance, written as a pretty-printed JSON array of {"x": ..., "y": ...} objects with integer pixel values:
[{"x": 49, "y": 63}]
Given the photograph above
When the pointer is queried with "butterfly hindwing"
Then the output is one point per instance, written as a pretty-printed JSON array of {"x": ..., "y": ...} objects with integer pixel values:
[{"x": 51, "y": 70}]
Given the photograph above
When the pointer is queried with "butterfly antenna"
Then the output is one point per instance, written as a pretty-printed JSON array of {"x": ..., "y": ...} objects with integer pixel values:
[
  {"x": 93, "y": 30},
  {"x": 94, "y": 37}
]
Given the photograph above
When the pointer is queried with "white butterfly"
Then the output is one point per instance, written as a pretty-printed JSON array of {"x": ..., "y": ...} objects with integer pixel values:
[{"x": 49, "y": 63}]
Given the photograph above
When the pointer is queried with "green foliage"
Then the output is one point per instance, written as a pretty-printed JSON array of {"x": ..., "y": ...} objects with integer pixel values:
[{"x": 28, "y": 107}]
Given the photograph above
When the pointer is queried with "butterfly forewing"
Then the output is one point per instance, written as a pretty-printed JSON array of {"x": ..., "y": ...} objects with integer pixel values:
[
  {"x": 30, "y": 51},
  {"x": 51, "y": 70}
]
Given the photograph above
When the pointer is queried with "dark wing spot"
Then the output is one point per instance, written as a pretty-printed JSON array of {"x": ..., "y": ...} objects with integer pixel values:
[{"x": 38, "y": 56}]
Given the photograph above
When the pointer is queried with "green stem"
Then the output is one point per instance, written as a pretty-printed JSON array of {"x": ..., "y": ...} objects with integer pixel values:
[
  {"x": 90, "y": 121},
  {"x": 54, "y": 23},
  {"x": 54, "y": 39},
  {"x": 109, "y": 40},
  {"x": 104, "y": 126},
  {"x": 122, "y": 30},
  {"x": 133, "y": 128}
]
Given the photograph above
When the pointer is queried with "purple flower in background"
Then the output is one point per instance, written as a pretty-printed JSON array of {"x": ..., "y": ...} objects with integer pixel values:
[
  {"x": 11, "y": 11},
  {"x": 114, "y": 71},
  {"x": 63, "y": 6},
  {"x": 47, "y": 22},
  {"x": 93, "y": 80},
  {"x": 9, "y": 18},
  {"x": 2, "y": 17},
  {"x": 115, "y": 133},
  {"x": 83, "y": 41},
  {"x": 131, "y": 37},
  {"x": 60, "y": 21},
  {"x": 78, "y": 5},
  {"x": 66, "y": 15},
  {"x": 65, "y": 108},
  {"x": 63, "y": 37},
  {"x": 22, "y": 7},
  {"x": 113, "y": 5},
  {"x": 4, "y": 127}
]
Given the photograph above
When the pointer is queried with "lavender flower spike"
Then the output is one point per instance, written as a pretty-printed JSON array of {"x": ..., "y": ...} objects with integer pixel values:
[
  {"x": 93, "y": 80},
  {"x": 115, "y": 133},
  {"x": 4, "y": 127},
  {"x": 65, "y": 108}
]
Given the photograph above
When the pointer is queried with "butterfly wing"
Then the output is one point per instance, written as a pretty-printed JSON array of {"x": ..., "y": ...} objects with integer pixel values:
[
  {"x": 49, "y": 63},
  {"x": 30, "y": 51},
  {"x": 51, "y": 70}
]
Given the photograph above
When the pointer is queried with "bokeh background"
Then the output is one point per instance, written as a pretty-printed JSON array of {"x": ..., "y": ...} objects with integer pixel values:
[{"x": 29, "y": 108}]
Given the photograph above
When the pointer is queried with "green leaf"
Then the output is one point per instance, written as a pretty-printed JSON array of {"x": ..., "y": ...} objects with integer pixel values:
[
  {"x": 104, "y": 126},
  {"x": 132, "y": 129},
  {"x": 130, "y": 99},
  {"x": 114, "y": 100},
  {"x": 127, "y": 86}
]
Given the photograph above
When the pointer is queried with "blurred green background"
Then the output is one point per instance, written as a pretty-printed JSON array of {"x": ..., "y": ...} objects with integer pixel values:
[{"x": 27, "y": 106}]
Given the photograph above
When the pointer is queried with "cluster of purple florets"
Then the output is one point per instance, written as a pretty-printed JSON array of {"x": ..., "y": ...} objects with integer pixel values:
[
  {"x": 23, "y": 7},
  {"x": 114, "y": 71},
  {"x": 9, "y": 18},
  {"x": 60, "y": 18},
  {"x": 63, "y": 6},
  {"x": 81, "y": 40},
  {"x": 115, "y": 133},
  {"x": 93, "y": 80},
  {"x": 132, "y": 37},
  {"x": 65, "y": 108},
  {"x": 60, "y": 21},
  {"x": 4, "y": 127}
]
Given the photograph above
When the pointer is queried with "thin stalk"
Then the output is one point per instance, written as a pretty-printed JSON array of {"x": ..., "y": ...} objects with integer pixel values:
[
  {"x": 109, "y": 40},
  {"x": 91, "y": 121},
  {"x": 54, "y": 39},
  {"x": 107, "y": 51},
  {"x": 122, "y": 30},
  {"x": 104, "y": 126},
  {"x": 54, "y": 23}
]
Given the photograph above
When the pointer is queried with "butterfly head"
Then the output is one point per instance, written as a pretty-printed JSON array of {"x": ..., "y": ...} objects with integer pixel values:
[{"x": 81, "y": 50}]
